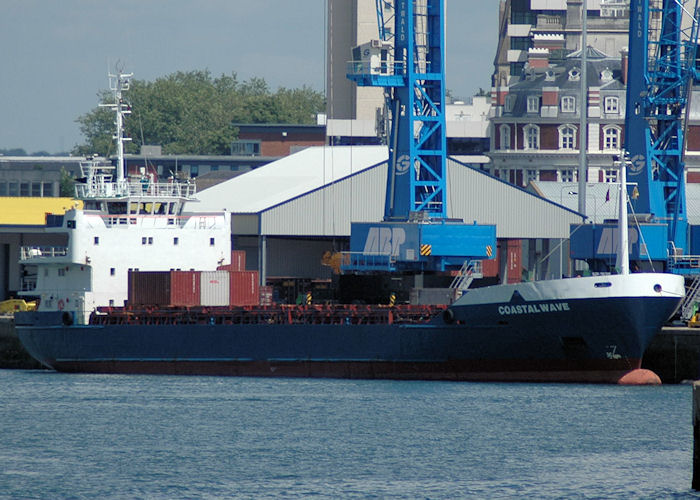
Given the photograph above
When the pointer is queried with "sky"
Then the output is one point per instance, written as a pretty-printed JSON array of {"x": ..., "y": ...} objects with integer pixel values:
[{"x": 55, "y": 55}]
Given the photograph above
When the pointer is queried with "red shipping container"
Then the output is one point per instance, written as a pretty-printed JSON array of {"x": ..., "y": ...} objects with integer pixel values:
[
  {"x": 185, "y": 288},
  {"x": 489, "y": 267},
  {"x": 237, "y": 262},
  {"x": 245, "y": 288},
  {"x": 514, "y": 258}
]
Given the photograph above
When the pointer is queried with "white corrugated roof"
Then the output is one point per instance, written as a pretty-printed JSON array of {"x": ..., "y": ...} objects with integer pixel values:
[
  {"x": 601, "y": 197},
  {"x": 288, "y": 178},
  {"x": 597, "y": 208}
]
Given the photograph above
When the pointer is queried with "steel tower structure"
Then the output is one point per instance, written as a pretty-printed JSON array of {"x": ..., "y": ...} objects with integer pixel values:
[
  {"x": 662, "y": 66},
  {"x": 410, "y": 64}
]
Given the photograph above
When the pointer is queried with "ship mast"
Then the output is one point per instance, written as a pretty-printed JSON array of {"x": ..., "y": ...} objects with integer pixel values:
[
  {"x": 623, "y": 255},
  {"x": 119, "y": 83}
]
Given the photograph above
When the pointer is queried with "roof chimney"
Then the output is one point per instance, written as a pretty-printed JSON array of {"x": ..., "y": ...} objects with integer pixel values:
[
  {"x": 624, "y": 64},
  {"x": 538, "y": 58}
]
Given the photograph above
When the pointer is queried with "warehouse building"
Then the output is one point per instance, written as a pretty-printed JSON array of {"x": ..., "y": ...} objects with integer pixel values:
[{"x": 290, "y": 215}]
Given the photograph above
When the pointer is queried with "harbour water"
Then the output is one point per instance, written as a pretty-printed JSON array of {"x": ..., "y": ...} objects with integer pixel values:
[{"x": 110, "y": 436}]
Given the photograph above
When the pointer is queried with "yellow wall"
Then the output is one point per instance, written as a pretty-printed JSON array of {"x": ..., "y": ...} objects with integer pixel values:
[{"x": 32, "y": 211}]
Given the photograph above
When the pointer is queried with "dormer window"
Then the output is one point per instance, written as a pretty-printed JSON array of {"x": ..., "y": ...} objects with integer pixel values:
[
  {"x": 549, "y": 76},
  {"x": 574, "y": 74},
  {"x": 533, "y": 104},
  {"x": 568, "y": 104},
  {"x": 612, "y": 105},
  {"x": 509, "y": 103},
  {"x": 606, "y": 75}
]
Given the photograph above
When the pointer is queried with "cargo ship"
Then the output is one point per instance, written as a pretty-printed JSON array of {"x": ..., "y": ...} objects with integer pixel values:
[
  {"x": 589, "y": 329},
  {"x": 208, "y": 321}
]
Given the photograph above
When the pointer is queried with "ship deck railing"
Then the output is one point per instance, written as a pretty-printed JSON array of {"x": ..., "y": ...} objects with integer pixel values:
[
  {"x": 684, "y": 264},
  {"x": 134, "y": 189},
  {"x": 34, "y": 252},
  {"x": 268, "y": 315}
]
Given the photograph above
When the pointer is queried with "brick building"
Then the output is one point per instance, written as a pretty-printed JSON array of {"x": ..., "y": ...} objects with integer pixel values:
[{"x": 276, "y": 140}]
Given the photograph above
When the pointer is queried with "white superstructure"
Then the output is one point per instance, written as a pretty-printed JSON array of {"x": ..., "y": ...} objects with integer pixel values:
[{"x": 126, "y": 223}]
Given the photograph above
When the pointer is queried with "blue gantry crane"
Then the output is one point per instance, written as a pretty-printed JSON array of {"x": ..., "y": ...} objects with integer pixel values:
[
  {"x": 663, "y": 38},
  {"x": 407, "y": 60}
]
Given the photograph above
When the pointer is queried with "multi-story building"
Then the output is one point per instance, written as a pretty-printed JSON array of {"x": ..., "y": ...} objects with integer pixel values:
[
  {"x": 556, "y": 24},
  {"x": 535, "y": 122}
]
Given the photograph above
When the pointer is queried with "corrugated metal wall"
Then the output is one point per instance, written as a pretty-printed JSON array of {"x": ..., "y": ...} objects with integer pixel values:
[
  {"x": 329, "y": 211},
  {"x": 472, "y": 195}
]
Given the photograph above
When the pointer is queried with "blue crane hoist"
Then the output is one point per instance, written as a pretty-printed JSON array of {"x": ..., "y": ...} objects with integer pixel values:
[
  {"x": 407, "y": 60},
  {"x": 663, "y": 38}
]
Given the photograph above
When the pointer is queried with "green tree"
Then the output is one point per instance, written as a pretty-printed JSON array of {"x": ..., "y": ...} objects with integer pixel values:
[
  {"x": 66, "y": 184},
  {"x": 192, "y": 113}
]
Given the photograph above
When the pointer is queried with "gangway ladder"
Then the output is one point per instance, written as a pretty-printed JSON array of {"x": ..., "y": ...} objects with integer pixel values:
[
  {"x": 691, "y": 296},
  {"x": 470, "y": 270}
]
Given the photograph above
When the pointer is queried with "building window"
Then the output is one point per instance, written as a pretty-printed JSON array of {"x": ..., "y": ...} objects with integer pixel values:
[
  {"x": 516, "y": 68},
  {"x": 612, "y": 105},
  {"x": 211, "y": 241},
  {"x": 194, "y": 170},
  {"x": 505, "y": 137},
  {"x": 520, "y": 43},
  {"x": 3, "y": 188},
  {"x": 509, "y": 103},
  {"x": 176, "y": 240},
  {"x": 147, "y": 241},
  {"x": 568, "y": 175},
  {"x": 245, "y": 148},
  {"x": 611, "y": 138},
  {"x": 531, "y": 137},
  {"x": 567, "y": 137},
  {"x": 47, "y": 189},
  {"x": 568, "y": 104},
  {"x": 61, "y": 272},
  {"x": 611, "y": 175},
  {"x": 36, "y": 189},
  {"x": 532, "y": 175},
  {"x": 533, "y": 104},
  {"x": 112, "y": 271},
  {"x": 96, "y": 239},
  {"x": 24, "y": 189}
]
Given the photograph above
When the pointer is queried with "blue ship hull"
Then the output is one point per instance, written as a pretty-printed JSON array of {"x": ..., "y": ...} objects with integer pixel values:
[{"x": 593, "y": 339}]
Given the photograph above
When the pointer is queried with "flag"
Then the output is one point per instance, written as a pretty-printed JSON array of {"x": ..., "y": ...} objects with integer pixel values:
[{"x": 607, "y": 196}]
